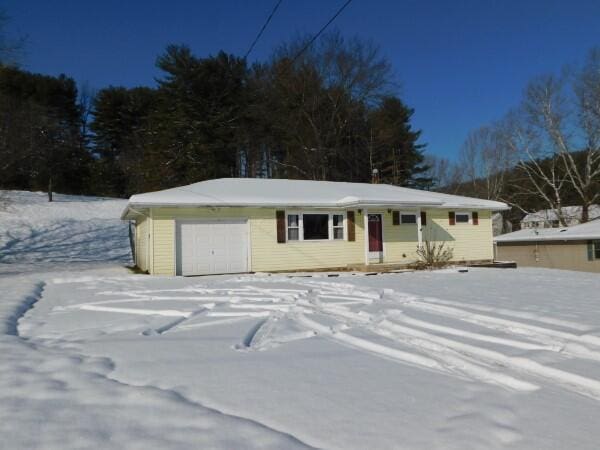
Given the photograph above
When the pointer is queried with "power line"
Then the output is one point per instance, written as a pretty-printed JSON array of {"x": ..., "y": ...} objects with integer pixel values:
[
  {"x": 263, "y": 28},
  {"x": 314, "y": 38}
]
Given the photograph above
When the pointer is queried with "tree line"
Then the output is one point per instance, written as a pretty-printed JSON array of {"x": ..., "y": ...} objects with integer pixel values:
[
  {"x": 330, "y": 112},
  {"x": 543, "y": 154}
]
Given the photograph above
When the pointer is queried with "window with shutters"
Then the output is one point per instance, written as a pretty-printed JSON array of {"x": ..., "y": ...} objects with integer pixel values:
[
  {"x": 462, "y": 217},
  {"x": 408, "y": 218},
  {"x": 310, "y": 226}
]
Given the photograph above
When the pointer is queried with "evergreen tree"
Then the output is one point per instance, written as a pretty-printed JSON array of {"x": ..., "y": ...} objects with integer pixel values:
[
  {"x": 39, "y": 133},
  {"x": 119, "y": 127},
  {"x": 196, "y": 125},
  {"x": 396, "y": 153}
]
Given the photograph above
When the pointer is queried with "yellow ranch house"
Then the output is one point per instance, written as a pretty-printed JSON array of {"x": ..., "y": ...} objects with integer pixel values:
[{"x": 236, "y": 225}]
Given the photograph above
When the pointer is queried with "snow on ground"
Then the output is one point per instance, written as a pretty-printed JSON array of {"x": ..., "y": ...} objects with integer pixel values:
[
  {"x": 486, "y": 359},
  {"x": 35, "y": 233},
  {"x": 101, "y": 358},
  {"x": 57, "y": 398}
]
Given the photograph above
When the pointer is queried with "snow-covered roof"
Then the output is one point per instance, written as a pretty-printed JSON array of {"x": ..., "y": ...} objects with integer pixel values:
[
  {"x": 261, "y": 192},
  {"x": 572, "y": 212},
  {"x": 584, "y": 231}
]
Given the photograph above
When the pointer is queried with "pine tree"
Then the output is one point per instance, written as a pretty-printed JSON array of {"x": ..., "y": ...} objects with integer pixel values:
[{"x": 396, "y": 154}]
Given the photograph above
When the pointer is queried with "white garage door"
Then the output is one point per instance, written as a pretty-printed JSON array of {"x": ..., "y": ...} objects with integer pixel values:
[{"x": 211, "y": 247}]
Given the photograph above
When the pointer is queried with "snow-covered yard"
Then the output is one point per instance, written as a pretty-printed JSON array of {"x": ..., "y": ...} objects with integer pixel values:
[{"x": 95, "y": 357}]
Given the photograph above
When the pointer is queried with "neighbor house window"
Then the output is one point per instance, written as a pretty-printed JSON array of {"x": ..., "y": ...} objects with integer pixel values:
[
  {"x": 338, "y": 226},
  {"x": 596, "y": 249},
  {"x": 293, "y": 227},
  {"x": 407, "y": 218},
  {"x": 316, "y": 226},
  {"x": 462, "y": 217}
]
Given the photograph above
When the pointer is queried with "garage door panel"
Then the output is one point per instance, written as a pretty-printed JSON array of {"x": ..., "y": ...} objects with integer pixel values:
[{"x": 212, "y": 247}]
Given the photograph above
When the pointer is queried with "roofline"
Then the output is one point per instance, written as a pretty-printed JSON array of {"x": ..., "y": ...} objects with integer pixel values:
[
  {"x": 585, "y": 237},
  {"x": 134, "y": 207}
]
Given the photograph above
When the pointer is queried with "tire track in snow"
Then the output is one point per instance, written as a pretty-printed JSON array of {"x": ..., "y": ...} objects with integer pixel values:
[
  {"x": 372, "y": 347},
  {"x": 512, "y": 313},
  {"x": 433, "y": 352},
  {"x": 87, "y": 377},
  {"x": 568, "y": 380},
  {"x": 449, "y": 360},
  {"x": 400, "y": 316},
  {"x": 560, "y": 341}
]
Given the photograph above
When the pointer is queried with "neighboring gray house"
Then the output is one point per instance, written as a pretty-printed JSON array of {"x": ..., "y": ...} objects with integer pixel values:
[
  {"x": 570, "y": 248},
  {"x": 548, "y": 218}
]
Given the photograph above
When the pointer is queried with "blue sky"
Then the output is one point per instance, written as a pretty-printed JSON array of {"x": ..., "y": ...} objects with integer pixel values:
[{"x": 460, "y": 64}]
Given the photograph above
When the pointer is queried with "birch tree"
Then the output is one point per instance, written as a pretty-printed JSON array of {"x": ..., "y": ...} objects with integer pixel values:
[{"x": 565, "y": 113}]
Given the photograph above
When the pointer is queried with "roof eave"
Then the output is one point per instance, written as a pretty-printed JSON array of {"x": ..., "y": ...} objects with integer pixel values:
[{"x": 130, "y": 212}]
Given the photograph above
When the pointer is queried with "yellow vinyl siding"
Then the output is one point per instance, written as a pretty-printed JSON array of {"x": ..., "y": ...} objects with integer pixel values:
[
  {"x": 399, "y": 241},
  {"x": 469, "y": 242},
  {"x": 141, "y": 243},
  {"x": 266, "y": 253},
  {"x": 163, "y": 256}
]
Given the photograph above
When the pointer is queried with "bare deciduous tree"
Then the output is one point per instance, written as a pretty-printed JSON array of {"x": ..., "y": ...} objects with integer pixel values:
[
  {"x": 560, "y": 126},
  {"x": 538, "y": 165},
  {"x": 485, "y": 160},
  {"x": 446, "y": 174}
]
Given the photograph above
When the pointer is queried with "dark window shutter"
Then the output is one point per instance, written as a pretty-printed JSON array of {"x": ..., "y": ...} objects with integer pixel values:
[
  {"x": 475, "y": 218},
  {"x": 396, "y": 217},
  {"x": 423, "y": 218},
  {"x": 590, "y": 250},
  {"x": 280, "y": 216},
  {"x": 351, "y": 231},
  {"x": 451, "y": 218}
]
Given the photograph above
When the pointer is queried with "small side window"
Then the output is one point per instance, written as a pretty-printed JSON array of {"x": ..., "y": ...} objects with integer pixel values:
[
  {"x": 462, "y": 217},
  {"x": 293, "y": 227},
  {"x": 338, "y": 226},
  {"x": 408, "y": 218},
  {"x": 596, "y": 249}
]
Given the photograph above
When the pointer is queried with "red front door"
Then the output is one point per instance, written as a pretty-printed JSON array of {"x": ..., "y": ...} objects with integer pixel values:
[{"x": 375, "y": 234}]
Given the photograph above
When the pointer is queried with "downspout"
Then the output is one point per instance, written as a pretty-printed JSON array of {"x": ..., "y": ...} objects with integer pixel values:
[
  {"x": 131, "y": 238},
  {"x": 151, "y": 242}
]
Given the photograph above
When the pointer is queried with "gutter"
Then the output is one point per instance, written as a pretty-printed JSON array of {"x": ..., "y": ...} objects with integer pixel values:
[{"x": 357, "y": 204}]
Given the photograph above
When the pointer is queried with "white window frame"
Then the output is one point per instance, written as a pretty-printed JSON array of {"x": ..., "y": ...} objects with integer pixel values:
[
  {"x": 287, "y": 227},
  {"x": 408, "y": 213},
  {"x": 463, "y": 213},
  {"x": 332, "y": 227},
  {"x": 300, "y": 215}
]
